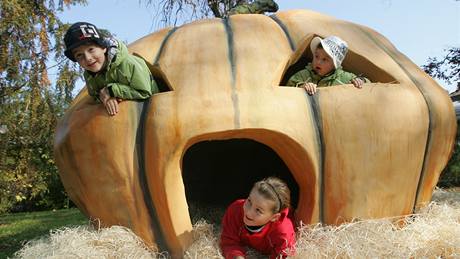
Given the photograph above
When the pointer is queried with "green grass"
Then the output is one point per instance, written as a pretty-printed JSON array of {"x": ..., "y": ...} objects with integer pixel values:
[{"x": 17, "y": 228}]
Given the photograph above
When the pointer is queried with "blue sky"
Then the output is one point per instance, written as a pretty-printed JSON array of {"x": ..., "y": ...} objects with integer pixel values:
[{"x": 418, "y": 28}]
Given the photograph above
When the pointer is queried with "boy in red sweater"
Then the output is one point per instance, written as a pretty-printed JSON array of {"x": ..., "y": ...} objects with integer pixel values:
[{"x": 263, "y": 221}]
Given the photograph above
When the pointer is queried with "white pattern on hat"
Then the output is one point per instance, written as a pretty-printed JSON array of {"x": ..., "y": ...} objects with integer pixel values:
[
  {"x": 89, "y": 30},
  {"x": 334, "y": 46}
]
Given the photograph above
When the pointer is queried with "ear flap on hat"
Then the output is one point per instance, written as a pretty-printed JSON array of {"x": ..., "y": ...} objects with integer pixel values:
[{"x": 314, "y": 44}]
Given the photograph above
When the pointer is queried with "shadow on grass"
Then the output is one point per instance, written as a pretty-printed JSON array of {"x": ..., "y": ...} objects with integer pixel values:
[{"x": 18, "y": 228}]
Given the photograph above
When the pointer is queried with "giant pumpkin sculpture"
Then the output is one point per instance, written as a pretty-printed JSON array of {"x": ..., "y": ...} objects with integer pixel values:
[{"x": 369, "y": 153}]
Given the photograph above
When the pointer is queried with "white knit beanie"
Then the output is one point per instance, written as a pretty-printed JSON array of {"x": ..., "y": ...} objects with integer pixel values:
[{"x": 334, "y": 46}]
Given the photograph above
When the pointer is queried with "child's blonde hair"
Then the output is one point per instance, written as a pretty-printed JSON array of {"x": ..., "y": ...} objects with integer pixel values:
[{"x": 274, "y": 189}]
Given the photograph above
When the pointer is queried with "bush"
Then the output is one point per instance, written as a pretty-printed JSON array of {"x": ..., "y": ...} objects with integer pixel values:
[{"x": 450, "y": 177}]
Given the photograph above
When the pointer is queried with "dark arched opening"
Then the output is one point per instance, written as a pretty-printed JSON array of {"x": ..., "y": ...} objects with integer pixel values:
[{"x": 217, "y": 172}]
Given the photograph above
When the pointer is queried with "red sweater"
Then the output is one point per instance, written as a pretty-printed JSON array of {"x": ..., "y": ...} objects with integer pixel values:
[{"x": 276, "y": 239}]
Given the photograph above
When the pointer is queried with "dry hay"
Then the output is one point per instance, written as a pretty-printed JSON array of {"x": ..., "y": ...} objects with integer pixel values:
[
  {"x": 451, "y": 195},
  {"x": 87, "y": 242},
  {"x": 432, "y": 233}
]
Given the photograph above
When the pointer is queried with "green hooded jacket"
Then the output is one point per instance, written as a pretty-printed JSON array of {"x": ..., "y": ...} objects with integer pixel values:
[
  {"x": 337, "y": 77},
  {"x": 125, "y": 75}
]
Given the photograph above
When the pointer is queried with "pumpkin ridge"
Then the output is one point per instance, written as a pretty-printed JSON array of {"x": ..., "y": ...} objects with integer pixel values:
[
  {"x": 350, "y": 153},
  {"x": 140, "y": 146},
  {"x": 163, "y": 44},
  {"x": 313, "y": 104},
  {"x": 231, "y": 58},
  {"x": 428, "y": 103},
  {"x": 285, "y": 30}
]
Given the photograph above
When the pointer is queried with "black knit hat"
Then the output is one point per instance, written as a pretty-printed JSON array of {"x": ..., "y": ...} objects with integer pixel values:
[{"x": 81, "y": 33}]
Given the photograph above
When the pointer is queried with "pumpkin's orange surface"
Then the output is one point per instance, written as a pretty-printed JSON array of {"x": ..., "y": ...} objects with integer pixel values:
[{"x": 369, "y": 153}]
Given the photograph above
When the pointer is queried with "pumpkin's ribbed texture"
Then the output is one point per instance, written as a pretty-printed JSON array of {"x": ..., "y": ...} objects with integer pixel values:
[{"x": 369, "y": 153}]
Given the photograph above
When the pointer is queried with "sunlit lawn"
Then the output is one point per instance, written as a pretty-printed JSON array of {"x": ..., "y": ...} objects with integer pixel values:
[{"x": 17, "y": 228}]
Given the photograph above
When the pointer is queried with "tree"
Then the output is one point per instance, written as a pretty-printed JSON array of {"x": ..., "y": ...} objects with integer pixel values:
[
  {"x": 172, "y": 11},
  {"x": 447, "y": 69},
  {"x": 36, "y": 84},
  {"x": 31, "y": 33},
  {"x": 451, "y": 175}
]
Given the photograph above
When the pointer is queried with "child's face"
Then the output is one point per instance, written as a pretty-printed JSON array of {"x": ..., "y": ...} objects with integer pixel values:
[
  {"x": 322, "y": 62},
  {"x": 258, "y": 210},
  {"x": 90, "y": 56}
]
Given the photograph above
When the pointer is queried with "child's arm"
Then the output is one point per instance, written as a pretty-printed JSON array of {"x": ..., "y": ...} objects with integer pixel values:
[
  {"x": 303, "y": 79},
  {"x": 230, "y": 243},
  {"x": 94, "y": 90},
  {"x": 110, "y": 103},
  {"x": 284, "y": 245},
  {"x": 138, "y": 82},
  {"x": 299, "y": 78},
  {"x": 91, "y": 91},
  {"x": 229, "y": 240},
  {"x": 282, "y": 238}
]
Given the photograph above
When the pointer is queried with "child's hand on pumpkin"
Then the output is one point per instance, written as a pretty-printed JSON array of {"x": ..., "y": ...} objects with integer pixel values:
[
  {"x": 357, "y": 82},
  {"x": 111, "y": 105},
  {"x": 310, "y": 88},
  {"x": 104, "y": 95}
]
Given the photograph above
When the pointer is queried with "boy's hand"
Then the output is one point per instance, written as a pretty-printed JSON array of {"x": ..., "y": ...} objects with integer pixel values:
[
  {"x": 310, "y": 88},
  {"x": 357, "y": 82},
  {"x": 111, "y": 105},
  {"x": 104, "y": 95}
]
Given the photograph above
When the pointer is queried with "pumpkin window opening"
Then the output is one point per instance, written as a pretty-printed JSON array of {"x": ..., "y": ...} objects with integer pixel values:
[
  {"x": 215, "y": 173},
  {"x": 158, "y": 76},
  {"x": 162, "y": 85},
  {"x": 353, "y": 62}
]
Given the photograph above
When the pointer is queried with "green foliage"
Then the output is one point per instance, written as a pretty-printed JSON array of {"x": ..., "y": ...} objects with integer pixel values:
[
  {"x": 450, "y": 177},
  {"x": 257, "y": 7},
  {"x": 36, "y": 83},
  {"x": 31, "y": 33},
  {"x": 169, "y": 12},
  {"x": 17, "y": 228},
  {"x": 446, "y": 68}
]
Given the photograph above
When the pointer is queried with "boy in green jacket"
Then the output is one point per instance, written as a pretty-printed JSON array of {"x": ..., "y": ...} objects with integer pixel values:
[
  {"x": 111, "y": 73},
  {"x": 326, "y": 70}
]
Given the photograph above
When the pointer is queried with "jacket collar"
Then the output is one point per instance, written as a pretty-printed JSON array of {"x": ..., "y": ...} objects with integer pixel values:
[{"x": 317, "y": 78}]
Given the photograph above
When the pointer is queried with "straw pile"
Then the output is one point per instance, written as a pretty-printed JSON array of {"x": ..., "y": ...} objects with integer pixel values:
[
  {"x": 434, "y": 232},
  {"x": 87, "y": 242}
]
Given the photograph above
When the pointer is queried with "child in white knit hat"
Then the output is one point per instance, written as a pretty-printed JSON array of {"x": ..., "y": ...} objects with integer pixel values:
[{"x": 326, "y": 69}]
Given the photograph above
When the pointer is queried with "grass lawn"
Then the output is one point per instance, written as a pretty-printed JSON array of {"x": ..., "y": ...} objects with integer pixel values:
[{"x": 17, "y": 228}]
